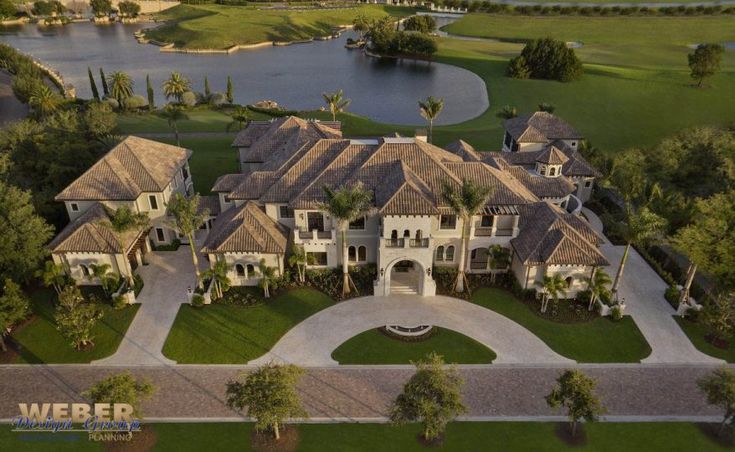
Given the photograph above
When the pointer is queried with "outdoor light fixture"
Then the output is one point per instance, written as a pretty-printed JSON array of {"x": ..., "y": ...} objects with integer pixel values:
[{"x": 382, "y": 272}]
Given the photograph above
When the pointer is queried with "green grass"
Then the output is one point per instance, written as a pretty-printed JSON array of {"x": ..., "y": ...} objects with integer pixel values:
[
  {"x": 374, "y": 347},
  {"x": 696, "y": 333},
  {"x": 211, "y": 158},
  {"x": 199, "y": 121},
  {"x": 599, "y": 341},
  {"x": 220, "y": 334},
  {"x": 218, "y": 27},
  {"x": 460, "y": 436},
  {"x": 41, "y": 342}
]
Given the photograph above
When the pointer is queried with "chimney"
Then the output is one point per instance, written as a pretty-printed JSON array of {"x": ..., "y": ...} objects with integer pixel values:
[{"x": 421, "y": 135}]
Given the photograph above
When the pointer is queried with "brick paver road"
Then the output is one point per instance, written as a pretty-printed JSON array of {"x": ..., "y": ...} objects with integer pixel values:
[{"x": 366, "y": 392}]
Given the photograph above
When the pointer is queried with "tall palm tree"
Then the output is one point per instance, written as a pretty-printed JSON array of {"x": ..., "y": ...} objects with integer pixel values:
[
  {"x": 552, "y": 286},
  {"x": 218, "y": 274},
  {"x": 466, "y": 202},
  {"x": 499, "y": 258},
  {"x": 52, "y": 275},
  {"x": 186, "y": 218},
  {"x": 430, "y": 110},
  {"x": 336, "y": 103},
  {"x": 267, "y": 276},
  {"x": 121, "y": 86},
  {"x": 173, "y": 114},
  {"x": 240, "y": 117},
  {"x": 597, "y": 284},
  {"x": 123, "y": 220},
  {"x": 44, "y": 101},
  {"x": 176, "y": 86},
  {"x": 345, "y": 205},
  {"x": 639, "y": 228}
]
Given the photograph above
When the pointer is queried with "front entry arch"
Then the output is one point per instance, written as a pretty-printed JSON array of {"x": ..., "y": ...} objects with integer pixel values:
[{"x": 405, "y": 276}]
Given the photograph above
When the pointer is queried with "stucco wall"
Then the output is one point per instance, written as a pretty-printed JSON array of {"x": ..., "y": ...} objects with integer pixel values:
[{"x": 232, "y": 259}]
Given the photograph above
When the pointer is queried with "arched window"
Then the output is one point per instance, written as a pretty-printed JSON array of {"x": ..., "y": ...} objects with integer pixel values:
[
  {"x": 361, "y": 254},
  {"x": 240, "y": 270},
  {"x": 351, "y": 254},
  {"x": 552, "y": 171},
  {"x": 85, "y": 270},
  {"x": 406, "y": 233},
  {"x": 394, "y": 234},
  {"x": 439, "y": 253},
  {"x": 449, "y": 256},
  {"x": 251, "y": 270},
  {"x": 569, "y": 281},
  {"x": 419, "y": 234}
]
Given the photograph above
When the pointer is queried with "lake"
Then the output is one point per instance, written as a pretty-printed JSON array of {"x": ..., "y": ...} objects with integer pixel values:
[{"x": 294, "y": 76}]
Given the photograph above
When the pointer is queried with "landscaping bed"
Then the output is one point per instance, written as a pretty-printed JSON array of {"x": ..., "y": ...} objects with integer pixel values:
[
  {"x": 601, "y": 340},
  {"x": 376, "y": 347},
  {"x": 697, "y": 333},
  {"x": 231, "y": 334}
]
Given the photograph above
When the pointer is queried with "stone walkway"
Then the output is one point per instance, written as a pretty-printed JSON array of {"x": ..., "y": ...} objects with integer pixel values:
[
  {"x": 364, "y": 393},
  {"x": 166, "y": 279},
  {"x": 311, "y": 342},
  {"x": 643, "y": 291}
]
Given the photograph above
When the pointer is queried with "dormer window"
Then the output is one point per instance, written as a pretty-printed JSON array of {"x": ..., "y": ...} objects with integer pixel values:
[
  {"x": 74, "y": 207},
  {"x": 153, "y": 201},
  {"x": 552, "y": 171}
]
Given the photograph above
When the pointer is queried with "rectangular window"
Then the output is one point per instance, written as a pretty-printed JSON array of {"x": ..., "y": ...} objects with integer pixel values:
[
  {"x": 587, "y": 183},
  {"x": 153, "y": 201},
  {"x": 448, "y": 222},
  {"x": 487, "y": 221},
  {"x": 318, "y": 258},
  {"x": 507, "y": 140},
  {"x": 184, "y": 173},
  {"x": 285, "y": 212},
  {"x": 160, "y": 235},
  {"x": 358, "y": 224},
  {"x": 315, "y": 221},
  {"x": 74, "y": 207}
]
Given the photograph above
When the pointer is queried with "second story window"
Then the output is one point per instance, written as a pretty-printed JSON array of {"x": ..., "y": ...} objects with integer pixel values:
[
  {"x": 487, "y": 221},
  {"x": 74, "y": 207},
  {"x": 358, "y": 224},
  {"x": 153, "y": 201},
  {"x": 184, "y": 173},
  {"x": 448, "y": 222},
  {"x": 285, "y": 212}
]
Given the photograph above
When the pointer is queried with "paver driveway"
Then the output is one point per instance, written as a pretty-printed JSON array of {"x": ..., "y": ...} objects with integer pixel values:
[
  {"x": 311, "y": 342},
  {"x": 167, "y": 277}
]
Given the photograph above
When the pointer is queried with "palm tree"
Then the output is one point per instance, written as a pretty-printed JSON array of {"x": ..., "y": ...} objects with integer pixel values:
[
  {"x": 218, "y": 274},
  {"x": 552, "y": 286},
  {"x": 299, "y": 258},
  {"x": 121, "y": 86},
  {"x": 499, "y": 258},
  {"x": 597, "y": 285},
  {"x": 186, "y": 218},
  {"x": 53, "y": 275},
  {"x": 639, "y": 228},
  {"x": 125, "y": 220},
  {"x": 173, "y": 114},
  {"x": 346, "y": 205},
  {"x": 240, "y": 117},
  {"x": 430, "y": 109},
  {"x": 267, "y": 276},
  {"x": 465, "y": 201},
  {"x": 176, "y": 86},
  {"x": 44, "y": 101},
  {"x": 336, "y": 103},
  {"x": 108, "y": 279}
]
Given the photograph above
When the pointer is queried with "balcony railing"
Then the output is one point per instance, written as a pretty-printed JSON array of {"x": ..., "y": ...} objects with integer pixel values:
[
  {"x": 484, "y": 232},
  {"x": 419, "y": 243},
  {"x": 314, "y": 235},
  {"x": 394, "y": 243},
  {"x": 478, "y": 265},
  {"x": 504, "y": 232}
]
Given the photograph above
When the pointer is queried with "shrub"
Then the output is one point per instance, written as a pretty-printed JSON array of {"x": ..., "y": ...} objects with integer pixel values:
[
  {"x": 616, "y": 313},
  {"x": 217, "y": 99},
  {"x": 119, "y": 302},
  {"x": 128, "y": 9},
  {"x": 547, "y": 59},
  {"x": 189, "y": 99},
  {"x": 672, "y": 295},
  {"x": 112, "y": 102},
  {"x": 422, "y": 24},
  {"x": 7, "y": 9},
  {"x": 517, "y": 68},
  {"x": 135, "y": 102},
  {"x": 197, "y": 300},
  {"x": 137, "y": 284}
]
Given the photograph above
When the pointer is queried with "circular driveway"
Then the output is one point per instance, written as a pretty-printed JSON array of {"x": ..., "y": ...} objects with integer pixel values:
[{"x": 311, "y": 342}]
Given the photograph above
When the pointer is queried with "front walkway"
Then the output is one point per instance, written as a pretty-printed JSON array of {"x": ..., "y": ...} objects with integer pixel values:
[
  {"x": 643, "y": 291},
  {"x": 166, "y": 279},
  {"x": 311, "y": 342}
]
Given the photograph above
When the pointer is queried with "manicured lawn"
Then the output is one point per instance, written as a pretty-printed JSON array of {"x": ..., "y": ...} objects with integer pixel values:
[
  {"x": 599, "y": 341},
  {"x": 374, "y": 347},
  {"x": 199, "y": 121},
  {"x": 220, "y": 334},
  {"x": 219, "y": 27},
  {"x": 696, "y": 333},
  {"x": 41, "y": 342},
  {"x": 460, "y": 436}
]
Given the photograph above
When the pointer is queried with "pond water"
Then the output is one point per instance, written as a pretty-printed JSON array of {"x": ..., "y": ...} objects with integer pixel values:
[{"x": 294, "y": 76}]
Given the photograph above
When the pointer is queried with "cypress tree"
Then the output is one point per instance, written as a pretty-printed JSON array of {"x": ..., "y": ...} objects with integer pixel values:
[
  {"x": 207, "y": 91},
  {"x": 105, "y": 89},
  {"x": 230, "y": 97},
  {"x": 93, "y": 85},
  {"x": 151, "y": 97}
]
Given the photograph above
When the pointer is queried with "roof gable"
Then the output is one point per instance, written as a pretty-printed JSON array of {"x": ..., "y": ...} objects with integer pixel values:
[{"x": 246, "y": 229}]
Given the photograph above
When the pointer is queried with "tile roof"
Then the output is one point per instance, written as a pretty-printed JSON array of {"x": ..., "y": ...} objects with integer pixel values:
[
  {"x": 542, "y": 187},
  {"x": 464, "y": 150},
  {"x": 88, "y": 234},
  {"x": 548, "y": 236},
  {"x": 574, "y": 166},
  {"x": 552, "y": 156},
  {"x": 403, "y": 193},
  {"x": 246, "y": 229},
  {"x": 539, "y": 127},
  {"x": 134, "y": 166},
  {"x": 211, "y": 203}
]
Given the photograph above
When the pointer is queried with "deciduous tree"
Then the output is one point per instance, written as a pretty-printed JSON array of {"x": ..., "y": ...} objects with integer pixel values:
[
  {"x": 75, "y": 317},
  {"x": 576, "y": 392},
  {"x": 14, "y": 307},
  {"x": 719, "y": 387},
  {"x": 705, "y": 61},
  {"x": 121, "y": 388}
]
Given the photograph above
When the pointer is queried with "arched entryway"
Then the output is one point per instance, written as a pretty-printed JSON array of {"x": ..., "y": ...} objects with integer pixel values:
[{"x": 405, "y": 278}]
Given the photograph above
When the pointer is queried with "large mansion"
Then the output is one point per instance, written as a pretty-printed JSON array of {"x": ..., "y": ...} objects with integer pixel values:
[{"x": 538, "y": 183}]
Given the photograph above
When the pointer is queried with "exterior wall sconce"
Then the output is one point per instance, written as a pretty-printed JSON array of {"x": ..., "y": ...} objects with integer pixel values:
[
  {"x": 382, "y": 272},
  {"x": 428, "y": 271}
]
